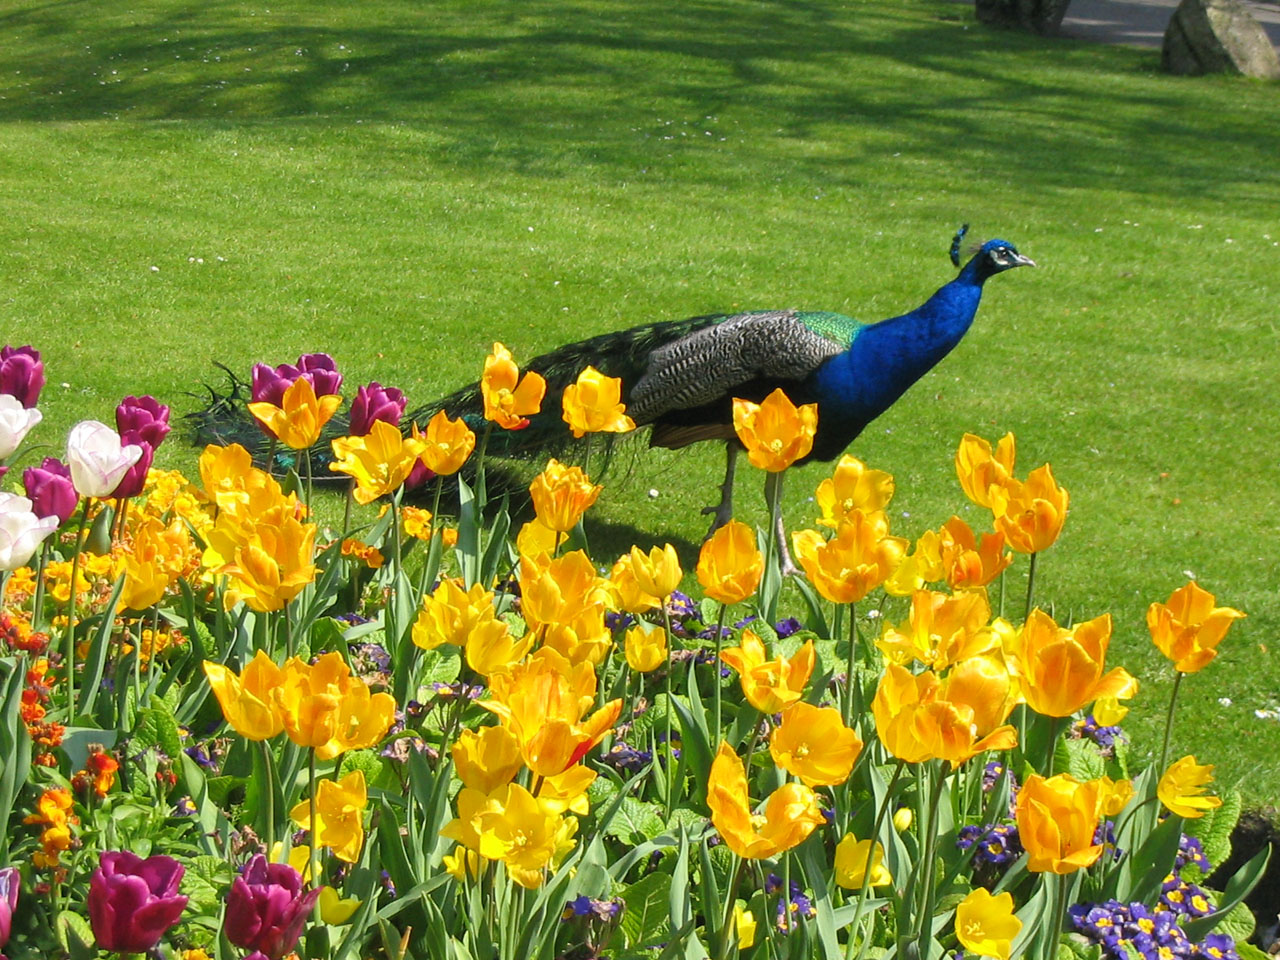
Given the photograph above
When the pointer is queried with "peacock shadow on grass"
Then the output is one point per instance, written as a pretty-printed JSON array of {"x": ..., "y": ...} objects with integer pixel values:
[{"x": 540, "y": 88}]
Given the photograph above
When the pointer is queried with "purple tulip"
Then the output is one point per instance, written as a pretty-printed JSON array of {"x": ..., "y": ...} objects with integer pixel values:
[
  {"x": 267, "y": 907},
  {"x": 50, "y": 490},
  {"x": 132, "y": 902},
  {"x": 9, "y": 882},
  {"x": 376, "y": 402},
  {"x": 21, "y": 374},
  {"x": 144, "y": 421},
  {"x": 419, "y": 475},
  {"x": 269, "y": 384}
]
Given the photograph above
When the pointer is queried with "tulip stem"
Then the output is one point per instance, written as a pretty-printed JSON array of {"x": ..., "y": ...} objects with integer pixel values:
[
  {"x": 1031, "y": 584},
  {"x": 306, "y": 462},
  {"x": 871, "y": 857},
  {"x": 314, "y": 855},
  {"x": 666, "y": 689},
  {"x": 269, "y": 766},
  {"x": 730, "y": 900},
  {"x": 851, "y": 683},
  {"x": 346, "y": 508},
  {"x": 1055, "y": 724},
  {"x": 70, "y": 647},
  {"x": 1168, "y": 720},
  {"x": 37, "y": 604},
  {"x": 1059, "y": 912},
  {"x": 930, "y": 838},
  {"x": 715, "y": 677}
]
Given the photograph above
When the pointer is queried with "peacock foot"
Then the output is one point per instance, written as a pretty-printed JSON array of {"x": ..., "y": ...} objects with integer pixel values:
[{"x": 721, "y": 514}]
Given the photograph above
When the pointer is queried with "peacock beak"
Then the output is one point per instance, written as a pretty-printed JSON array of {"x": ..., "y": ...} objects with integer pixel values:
[{"x": 1020, "y": 261}]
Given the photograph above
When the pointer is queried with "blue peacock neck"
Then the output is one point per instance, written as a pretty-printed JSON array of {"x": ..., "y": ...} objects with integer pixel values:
[{"x": 886, "y": 358}]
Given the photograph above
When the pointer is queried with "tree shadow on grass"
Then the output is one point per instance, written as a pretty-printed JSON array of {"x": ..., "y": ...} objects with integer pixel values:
[{"x": 543, "y": 88}]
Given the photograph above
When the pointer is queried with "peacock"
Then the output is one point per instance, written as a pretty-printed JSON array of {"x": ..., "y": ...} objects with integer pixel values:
[{"x": 680, "y": 377}]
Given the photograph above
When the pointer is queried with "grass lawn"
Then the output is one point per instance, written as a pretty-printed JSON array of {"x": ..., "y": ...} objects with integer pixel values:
[{"x": 399, "y": 184}]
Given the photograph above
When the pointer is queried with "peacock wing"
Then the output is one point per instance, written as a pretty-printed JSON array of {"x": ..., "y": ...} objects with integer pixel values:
[{"x": 707, "y": 364}]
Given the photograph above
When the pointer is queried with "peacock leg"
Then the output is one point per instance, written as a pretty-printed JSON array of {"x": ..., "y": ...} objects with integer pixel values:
[{"x": 723, "y": 511}]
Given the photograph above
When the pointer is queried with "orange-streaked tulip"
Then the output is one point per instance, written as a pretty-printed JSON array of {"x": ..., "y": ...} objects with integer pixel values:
[
  {"x": 790, "y": 814},
  {"x": 769, "y": 685},
  {"x": 985, "y": 925},
  {"x": 509, "y": 400},
  {"x": 561, "y": 495},
  {"x": 851, "y": 864},
  {"x": 775, "y": 432},
  {"x": 1057, "y": 819},
  {"x": 941, "y": 630},
  {"x": 859, "y": 558},
  {"x": 1031, "y": 514},
  {"x": 646, "y": 649},
  {"x": 559, "y": 590},
  {"x": 730, "y": 564},
  {"x": 301, "y": 416},
  {"x": 486, "y": 759},
  {"x": 451, "y": 613},
  {"x": 916, "y": 721},
  {"x": 657, "y": 572},
  {"x": 339, "y": 821},
  {"x": 1189, "y": 627},
  {"x": 625, "y": 590},
  {"x": 246, "y": 699},
  {"x": 491, "y": 649},
  {"x": 323, "y": 706},
  {"x": 1063, "y": 670},
  {"x": 813, "y": 744},
  {"x": 979, "y": 469},
  {"x": 542, "y": 702},
  {"x": 446, "y": 444},
  {"x": 379, "y": 463},
  {"x": 594, "y": 405},
  {"x": 852, "y": 487},
  {"x": 1182, "y": 787}
]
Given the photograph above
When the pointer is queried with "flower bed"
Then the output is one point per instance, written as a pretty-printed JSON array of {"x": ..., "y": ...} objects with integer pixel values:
[{"x": 233, "y": 732}]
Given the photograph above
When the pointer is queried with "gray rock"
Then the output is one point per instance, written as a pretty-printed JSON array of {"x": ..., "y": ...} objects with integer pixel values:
[
  {"x": 1038, "y": 16},
  {"x": 1218, "y": 36}
]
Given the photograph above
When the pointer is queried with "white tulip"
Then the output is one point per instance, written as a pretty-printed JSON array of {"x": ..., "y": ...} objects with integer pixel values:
[
  {"x": 15, "y": 422},
  {"x": 97, "y": 459},
  {"x": 21, "y": 531}
]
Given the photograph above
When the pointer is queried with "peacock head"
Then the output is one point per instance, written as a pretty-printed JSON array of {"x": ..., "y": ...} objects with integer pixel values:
[{"x": 996, "y": 256}]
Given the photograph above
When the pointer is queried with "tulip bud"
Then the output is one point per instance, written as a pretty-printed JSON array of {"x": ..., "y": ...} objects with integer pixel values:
[
  {"x": 50, "y": 489},
  {"x": 375, "y": 402},
  {"x": 133, "y": 902},
  {"x": 21, "y": 374},
  {"x": 266, "y": 907}
]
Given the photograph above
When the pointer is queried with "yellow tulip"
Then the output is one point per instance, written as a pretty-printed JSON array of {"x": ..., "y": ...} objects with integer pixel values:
[
  {"x": 451, "y": 613},
  {"x": 146, "y": 573},
  {"x": 790, "y": 814},
  {"x": 1108, "y": 711},
  {"x": 491, "y": 649},
  {"x": 851, "y": 863},
  {"x": 446, "y": 444},
  {"x": 486, "y": 759},
  {"x": 561, "y": 495},
  {"x": 223, "y": 474},
  {"x": 334, "y": 910},
  {"x": 379, "y": 463},
  {"x": 1114, "y": 796},
  {"x": 1062, "y": 670},
  {"x": 979, "y": 469},
  {"x": 339, "y": 820},
  {"x": 859, "y": 558},
  {"x": 272, "y": 564},
  {"x": 919, "y": 717},
  {"x": 942, "y": 629},
  {"x": 509, "y": 400},
  {"x": 625, "y": 589},
  {"x": 470, "y": 804},
  {"x": 1031, "y": 514},
  {"x": 536, "y": 540},
  {"x": 594, "y": 405},
  {"x": 567, "y": 791},
  {"x": 813, "y": 743},
  {"x": 462, "y": 864},
  {"x": 518, "y": 831},
  {"x": 769, "y": 685},
  {"x": 323, "y": 706},
  {"x": 776, "y": 433},
  {"x": 246, "y": 699},
  {"x": 852, "y": 487},
  {"x": 542, "y": 702},
  {"x": 967, "y": 562},
  {"x": 584, "y": 639},
  {"x": 657, "y": 572},
  {"x": 1189, "y": 627},
  {"x": 301, "y": 416},
  {"x": 1182, "y": 787},
  {"x": 985, "y": 925},
  {"x": 1057, "y": 819},
  {"x": 744, "y": 926},
  {"x": 730, "y": 564},
  {"x": 559, "y": 590},
  {"x": 646, "y": 649}
]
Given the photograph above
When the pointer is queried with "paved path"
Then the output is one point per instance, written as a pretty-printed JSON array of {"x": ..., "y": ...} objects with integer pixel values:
[{"x": 1142, "y": 22}]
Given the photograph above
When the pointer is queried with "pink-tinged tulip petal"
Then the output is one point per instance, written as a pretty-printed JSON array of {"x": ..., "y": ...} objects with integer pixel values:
[
  {"x": 50, "y": 490},
  {"x": 16, "y": 422},
  {"x": 98, "y": 459},
  {"x": 21, "y": 374},
  {"x": 133, "y": 902},
  {"x": 10, "y": 881},
  {"x": 21, "y": 531}
]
